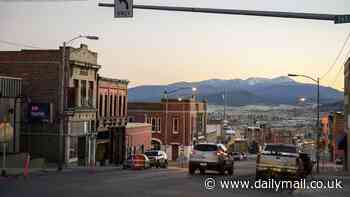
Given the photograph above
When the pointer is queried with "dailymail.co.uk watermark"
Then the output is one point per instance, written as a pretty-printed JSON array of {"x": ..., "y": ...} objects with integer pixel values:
[{"x": 272, "y": 184}]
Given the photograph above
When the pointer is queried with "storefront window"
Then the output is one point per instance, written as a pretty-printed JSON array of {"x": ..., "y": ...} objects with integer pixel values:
[{"x": 73, "y": 147}]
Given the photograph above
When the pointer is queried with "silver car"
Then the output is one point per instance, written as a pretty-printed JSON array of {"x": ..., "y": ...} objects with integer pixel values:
[{"x": 209, "y": 156}]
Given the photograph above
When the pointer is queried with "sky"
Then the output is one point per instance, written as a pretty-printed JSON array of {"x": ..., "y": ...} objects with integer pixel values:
[{"x": 161, "y": 47}]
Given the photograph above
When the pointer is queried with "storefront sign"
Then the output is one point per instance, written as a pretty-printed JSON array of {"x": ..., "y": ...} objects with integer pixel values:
[{"x": 39, "y": 112}]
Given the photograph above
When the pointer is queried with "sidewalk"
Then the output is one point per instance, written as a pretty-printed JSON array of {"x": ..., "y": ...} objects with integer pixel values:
[{"x": 52, "y": 169}]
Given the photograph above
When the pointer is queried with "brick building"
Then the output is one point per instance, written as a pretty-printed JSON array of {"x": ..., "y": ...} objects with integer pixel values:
[
  {"x": 175, "y": 124},
  {"x": 138, "y": 137},
  {"x": 112, "y": 119},
  {"x": 332, "y": 133},
  {"x": 44, "y": 81},
  {"x": 262, "y": 135}
]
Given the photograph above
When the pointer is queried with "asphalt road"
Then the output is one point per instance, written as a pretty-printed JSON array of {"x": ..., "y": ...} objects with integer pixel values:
[{"x": 152, "y": 182}]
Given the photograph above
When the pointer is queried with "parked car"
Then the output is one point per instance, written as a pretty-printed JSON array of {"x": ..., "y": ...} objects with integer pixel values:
[
  {"x": 243, "y": 156},
  {"x": 137, "y": 162},
  {"x": 339, "y": 161},
  {"x": 236, "y": 156},
  {"x": 157, "y": 158},
  {"x": 207, "y": 156}
]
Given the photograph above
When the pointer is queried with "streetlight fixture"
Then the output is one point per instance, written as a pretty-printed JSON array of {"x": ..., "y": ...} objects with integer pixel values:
[
  {"x": 64, "y": 96},
  {"x": 317, "y": 81}
]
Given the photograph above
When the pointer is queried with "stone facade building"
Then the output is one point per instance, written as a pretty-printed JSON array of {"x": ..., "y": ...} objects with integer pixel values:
[{"x": 176, "y": 124}]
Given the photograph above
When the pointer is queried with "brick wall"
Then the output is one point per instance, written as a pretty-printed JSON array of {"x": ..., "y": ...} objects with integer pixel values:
[
  {"x": 138, "y": 134},
  {"x": 184, "y": 111},
  {"x": 39, "y": 70}
]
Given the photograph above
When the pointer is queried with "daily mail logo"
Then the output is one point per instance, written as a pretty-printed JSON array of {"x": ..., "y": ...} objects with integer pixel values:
[{"x": 123, "y": 8}]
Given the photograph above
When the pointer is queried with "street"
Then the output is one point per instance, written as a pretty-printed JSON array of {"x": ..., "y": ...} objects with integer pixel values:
[{"x": 151, "y": 182}]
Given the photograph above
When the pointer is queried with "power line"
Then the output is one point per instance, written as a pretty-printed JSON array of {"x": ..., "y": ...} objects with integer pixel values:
[
  {"x": 341, "y": 68},
  {"x": 338, "y": 56},
  {"x": 19, "y": 44},
  {"x": 336, "y": 77}
]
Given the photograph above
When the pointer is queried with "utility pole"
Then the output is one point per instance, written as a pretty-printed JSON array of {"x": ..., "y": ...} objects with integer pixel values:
[
  {"x": 318, "y": 127},
  {"x": 318, "y": 131},
  {"x": 62, "y": 108}
]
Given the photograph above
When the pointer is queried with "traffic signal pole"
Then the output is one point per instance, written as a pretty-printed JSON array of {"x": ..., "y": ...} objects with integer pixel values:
[{"x": 312, "y": 16}]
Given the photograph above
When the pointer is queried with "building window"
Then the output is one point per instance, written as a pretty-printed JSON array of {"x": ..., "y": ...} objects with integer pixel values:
[
  {"x": 155, "y": 121},
  {"x": 83, "y": 93},
  {"x": 147, "y": 119},
  {"x": 73, "y": 147},
  {"x": 176, "y": 124},
  {"x": 124, "y": 105},
  {"x": 115, "y": 105},
  {"x": 100, "y": 105},
  {"x": 92, "y": 126},
  {"x": 90, "y": 93},
  {"x": 120, "y": 106},
  {"x": 105, "y": 107},
  {"x": 75, "y": 93},
  {"x": 158, "y": 124},
  {"x": 153, "y": 124},
  {"x": 111, "y": 105}
]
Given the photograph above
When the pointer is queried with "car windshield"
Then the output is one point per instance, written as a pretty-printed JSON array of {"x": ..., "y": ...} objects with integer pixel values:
[
  {"x": 152, "y": 153},
  {"x": 280, "y": 148},
  {"x": 206, "y": 147}
]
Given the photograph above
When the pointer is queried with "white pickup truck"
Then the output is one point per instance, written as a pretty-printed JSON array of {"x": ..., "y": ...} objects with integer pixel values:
[{"x": 282, "y": 160}]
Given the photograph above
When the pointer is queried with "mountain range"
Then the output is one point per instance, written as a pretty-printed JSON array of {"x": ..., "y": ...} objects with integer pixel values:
[{"x": 239, "y": 92}]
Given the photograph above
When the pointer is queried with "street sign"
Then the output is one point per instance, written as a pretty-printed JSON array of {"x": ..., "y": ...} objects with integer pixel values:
[
  {"x": 123, "y": 8},
  {"x": 342, "y": 19}
]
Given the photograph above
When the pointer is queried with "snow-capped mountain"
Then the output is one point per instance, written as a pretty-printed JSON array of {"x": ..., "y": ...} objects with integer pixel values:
[{"x": 255, "y": 90}]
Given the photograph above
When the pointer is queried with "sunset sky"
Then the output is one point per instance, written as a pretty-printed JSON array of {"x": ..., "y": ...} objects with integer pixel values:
[{"x": 160, "y": 47}]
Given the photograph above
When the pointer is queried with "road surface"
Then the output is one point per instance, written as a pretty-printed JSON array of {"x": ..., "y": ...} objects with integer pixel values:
[{"x": 152, "y": 182}]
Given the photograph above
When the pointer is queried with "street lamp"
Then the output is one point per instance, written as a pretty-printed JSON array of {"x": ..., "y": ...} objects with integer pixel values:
[
  {"x": 64, "y": 96},
  {"x": 166, "y": 96},
  {"x": 317, "y": 81}
]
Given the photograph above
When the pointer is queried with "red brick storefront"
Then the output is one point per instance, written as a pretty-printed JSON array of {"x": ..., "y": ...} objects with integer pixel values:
[
  {"x": 111, "y": 120},
  {"x": 175, "y": 124}
]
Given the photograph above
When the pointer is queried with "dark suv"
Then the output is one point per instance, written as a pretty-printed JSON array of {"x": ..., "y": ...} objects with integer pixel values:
[{"x": 210, "y": 157}]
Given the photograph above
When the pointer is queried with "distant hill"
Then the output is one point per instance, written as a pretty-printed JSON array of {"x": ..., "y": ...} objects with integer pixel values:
[
  {"x": 238, "y": 92},
  {"x": 337, "y": 107}
]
